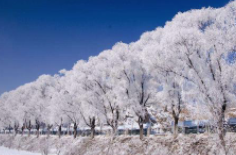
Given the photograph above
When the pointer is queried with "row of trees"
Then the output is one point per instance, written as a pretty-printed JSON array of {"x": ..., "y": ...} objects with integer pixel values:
[{"x": 190, "y": 61}]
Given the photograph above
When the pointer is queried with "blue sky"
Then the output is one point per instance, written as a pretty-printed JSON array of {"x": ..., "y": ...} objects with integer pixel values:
[{"x": 44, "y": 36}]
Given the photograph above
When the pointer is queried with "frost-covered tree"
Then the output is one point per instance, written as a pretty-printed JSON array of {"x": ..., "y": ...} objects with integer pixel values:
[
  {"x": 19, "y": 104},
  {"x": 6, "y": 115},
  {"x": 69, "y": 105},
  {"x": 58, "y": 115},
  {"x": 173, "y": 99},
  {"x": 45, "y": 88},
  {"x": 71, "y": 93},
  {"x": 103, "y": 76},
  {"x": 196, "y": 46},
  {"x": 90, "y": 106},
  {"x": 136, "y": 84}
]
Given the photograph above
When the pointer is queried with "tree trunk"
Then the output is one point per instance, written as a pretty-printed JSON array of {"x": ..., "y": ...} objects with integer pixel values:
[
  {"x": 59, "y": 131},
  {"x": 29, "y": 127},
  {"x": 92, "y": 122},
  {"x": 75, "y": 134},
  {"x": 16, "y": 131},
  {"x": 92, "y": 132},
  {"x": 22, "y": 130},
  {"x": 9, "y": 128},
  {"x": 176, "y": 121},
  {"x": 48, "y": 130},
  {"x": 140, "y": 123},
  {"x": 141, "y": 131},
  {"x": 114, "y": 132},
  {"x": 75, "y": 130},
  {"x": 37, "y": 128},
  {"x": 68, "y": 130},
  {"x": 221, "y": 129},
  {"x": 221, "y": 134},
  {"x": 148, "y": 131},
  {"x": 37, "y": 133},
  {"x": 29, "y": 132}
]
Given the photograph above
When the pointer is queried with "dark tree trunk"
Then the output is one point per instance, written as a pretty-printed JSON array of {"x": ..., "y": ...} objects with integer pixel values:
[
  {"x": 93, "y": 125},
  {"x": 9, "y": 128},
  {"x": 37, "y": 128},
  {"x": 75, "y": 130},
  {"x": 140, "y": 123},
  {"x": 92, "y": 132},
  {"x": 37, "y": 133},
  {"x": 141, "y": 131},
  {"x": 16, "y": 127},
  {"x": 29, "y": 127},
  {"x": 176, "y": 121},
  {"x": 59, "y": 131},
  {"x": 22, "y": 129},
  {"x": 221, "y": 129},
  {"x": 48, "y": 129},
  {"x": 16, "y": 131}
]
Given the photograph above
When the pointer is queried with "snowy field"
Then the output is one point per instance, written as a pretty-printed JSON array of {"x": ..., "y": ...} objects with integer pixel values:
[
  {"x": 203, "y": 144},
  {"x": 7, "y": 151}
]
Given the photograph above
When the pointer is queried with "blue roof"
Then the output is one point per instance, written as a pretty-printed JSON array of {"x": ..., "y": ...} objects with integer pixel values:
[
  {"x": 232, "y": 121},
  {"x": 190, "y": 123}
]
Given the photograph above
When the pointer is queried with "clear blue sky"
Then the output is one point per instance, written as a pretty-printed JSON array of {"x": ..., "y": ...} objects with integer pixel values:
[{"x": 44, "y": 36}]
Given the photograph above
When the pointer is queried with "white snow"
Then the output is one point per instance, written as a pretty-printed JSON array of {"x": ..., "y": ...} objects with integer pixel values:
[{"x": 7, "y": 151}]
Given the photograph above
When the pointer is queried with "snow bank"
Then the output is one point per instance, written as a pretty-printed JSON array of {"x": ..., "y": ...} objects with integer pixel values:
[{"x": 122, "y": 145}]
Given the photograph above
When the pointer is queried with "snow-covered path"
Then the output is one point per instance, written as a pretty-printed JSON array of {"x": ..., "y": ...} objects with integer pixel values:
[{"x": 7, "y": 151}]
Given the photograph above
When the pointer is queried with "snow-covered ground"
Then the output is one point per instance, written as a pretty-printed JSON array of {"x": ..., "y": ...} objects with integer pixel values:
[
  {"x": 204, "y": 144},
  {"x": 7, "y": 151}
]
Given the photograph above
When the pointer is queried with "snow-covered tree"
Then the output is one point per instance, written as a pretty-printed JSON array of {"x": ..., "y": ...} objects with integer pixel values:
[
  {"x": 137, "y": 86},
  {"x": 103, "y": 76},
  {"x": 197, "y": 48}
]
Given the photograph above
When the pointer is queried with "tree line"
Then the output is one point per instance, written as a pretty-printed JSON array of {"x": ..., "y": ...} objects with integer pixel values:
[{"x": 188, "y": 65}]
